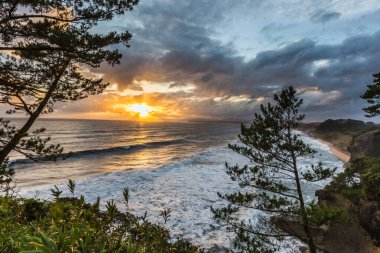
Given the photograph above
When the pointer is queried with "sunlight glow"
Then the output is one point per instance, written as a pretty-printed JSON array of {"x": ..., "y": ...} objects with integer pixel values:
[{"x": 143, "y": 110}]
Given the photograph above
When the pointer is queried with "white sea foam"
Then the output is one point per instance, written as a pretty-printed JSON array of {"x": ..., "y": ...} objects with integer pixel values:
[{"x": 188, "y": 187}]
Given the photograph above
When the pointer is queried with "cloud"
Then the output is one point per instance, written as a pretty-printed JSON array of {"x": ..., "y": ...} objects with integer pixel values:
[
  {"x": 322, "y": 16},
  {"x": 215, "y": 70},
  {"x": 182, "y": 44}
]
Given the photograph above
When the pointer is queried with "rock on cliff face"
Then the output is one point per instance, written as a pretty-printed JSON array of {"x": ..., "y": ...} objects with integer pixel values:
[
  {"x": 356, "y": 236},
  {"x": 366, "y": 144},
  {"x": 369, "y": 217},
  {"x": 362, "y": 234}
]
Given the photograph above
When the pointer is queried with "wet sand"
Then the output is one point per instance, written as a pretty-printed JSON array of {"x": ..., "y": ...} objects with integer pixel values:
[{"x": 342, "y": 155}]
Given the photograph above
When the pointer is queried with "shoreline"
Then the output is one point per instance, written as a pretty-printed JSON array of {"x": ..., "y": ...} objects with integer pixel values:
[
  {"x": 342, "y": 155},
  {"x": 337, "y": 152}
]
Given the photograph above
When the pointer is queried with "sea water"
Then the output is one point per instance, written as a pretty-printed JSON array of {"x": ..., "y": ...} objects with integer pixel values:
[{"x": 176, "y": 166}]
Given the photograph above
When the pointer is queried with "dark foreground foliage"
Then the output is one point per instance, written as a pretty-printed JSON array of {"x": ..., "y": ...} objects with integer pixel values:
[
  {"x": 360, "y": 181},
  {"x": 71, "y": 225},
  {"x": 372, "y": 95}
]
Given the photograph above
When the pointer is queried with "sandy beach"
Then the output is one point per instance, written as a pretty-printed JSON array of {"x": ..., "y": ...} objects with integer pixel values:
[{"x": 344, "y": 156}]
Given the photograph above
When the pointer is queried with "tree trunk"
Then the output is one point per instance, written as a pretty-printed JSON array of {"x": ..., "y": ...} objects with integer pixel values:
[
  {"x": 7, "y": 149},
  {"x": 305, "y": 220}
]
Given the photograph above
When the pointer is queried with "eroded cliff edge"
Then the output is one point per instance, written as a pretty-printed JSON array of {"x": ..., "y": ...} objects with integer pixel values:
[{"x": 357, "y": 190}]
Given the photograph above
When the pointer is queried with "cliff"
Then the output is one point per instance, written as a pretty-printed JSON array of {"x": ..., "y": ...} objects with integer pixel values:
[
  {"x": 356, "y": 191},
  {"x": 355, "y": 137},
  {"x": 366, "y": 144}
]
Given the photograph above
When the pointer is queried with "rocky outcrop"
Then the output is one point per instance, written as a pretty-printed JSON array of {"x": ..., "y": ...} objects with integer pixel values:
[
  {"x": 346, "y": 236},
  {"x": 362, "y": 233},
  {"x": 369, "y": 218},
  {"x": 350, "y": 234},
  {"x": 366, "y": 214},
  {"x": 366, "y": 144},
  {"x": 336, "y": 238},
  {"x": 362, "y": 137},
  {"x": 335, "y": 199}
]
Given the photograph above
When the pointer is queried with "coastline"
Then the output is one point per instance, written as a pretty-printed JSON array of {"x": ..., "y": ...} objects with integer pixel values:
[{"x": 342, "y": 155}]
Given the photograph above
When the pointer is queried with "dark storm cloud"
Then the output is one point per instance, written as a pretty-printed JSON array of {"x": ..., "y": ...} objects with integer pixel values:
[
  {"x": 322, "y": 16},
  {"x": 176, "y": 46}
]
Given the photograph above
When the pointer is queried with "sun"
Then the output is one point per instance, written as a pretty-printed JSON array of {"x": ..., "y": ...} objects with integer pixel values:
[{"x": 143, "y": 110}]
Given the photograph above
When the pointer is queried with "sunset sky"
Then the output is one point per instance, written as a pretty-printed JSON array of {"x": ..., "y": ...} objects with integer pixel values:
[{"x": 219, "y": 59}]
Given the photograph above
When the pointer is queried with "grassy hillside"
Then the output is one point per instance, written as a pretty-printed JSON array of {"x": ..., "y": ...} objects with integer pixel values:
[{"x": 352, "y": 136}]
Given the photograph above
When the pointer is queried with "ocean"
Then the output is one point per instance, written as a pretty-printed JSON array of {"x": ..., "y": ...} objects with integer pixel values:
[{"x": 177, "y": 166}]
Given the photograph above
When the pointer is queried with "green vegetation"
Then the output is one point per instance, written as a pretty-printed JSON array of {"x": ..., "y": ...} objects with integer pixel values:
[
  {"x": 372, "y": 95},
  {"x": 273, "y": 182},
  {"x": 320, "y": 214},
  {"x": 71, "y": 225},
  {"x": 347, "y": 126},
  {"x": 46, "y": 46},
  {"x": 42, "y": 55},
  {"x": 360, "y": 181},
  {"x": 6, "y": 177},
  {"x": 343, "y": 133}
]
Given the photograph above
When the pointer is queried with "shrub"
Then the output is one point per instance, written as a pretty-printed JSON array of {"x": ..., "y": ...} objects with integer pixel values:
[
  {"x": 72, "y": 225},
  {"x": 359, "y": 181},
  {"x": 321, "y": 214},
  {"x": 371, "y": 183}
]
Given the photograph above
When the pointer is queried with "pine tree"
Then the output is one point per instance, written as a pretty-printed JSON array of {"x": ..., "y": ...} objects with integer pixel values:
[
  {"x": 273, "y": 182},
  {"x": 372, "y": 95},
  {"x": 44, "y": 47}
]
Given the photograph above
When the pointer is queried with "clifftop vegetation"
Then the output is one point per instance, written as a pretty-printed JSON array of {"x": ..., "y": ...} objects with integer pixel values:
[
  {"x": 349, "y": 126},
  {"x": 356, "y": 137}
]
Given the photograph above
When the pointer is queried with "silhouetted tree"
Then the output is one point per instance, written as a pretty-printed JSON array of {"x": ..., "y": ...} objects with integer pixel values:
[
  {"x": 45, "y": 46},
  {"x": 272, "y": 183},
  {"x": 372, "y": 95}
]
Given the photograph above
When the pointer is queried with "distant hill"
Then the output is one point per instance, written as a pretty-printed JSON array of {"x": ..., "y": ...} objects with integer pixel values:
[
  {"x": 349, "y": 126},
  {"x": 356, "y": 137}
]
